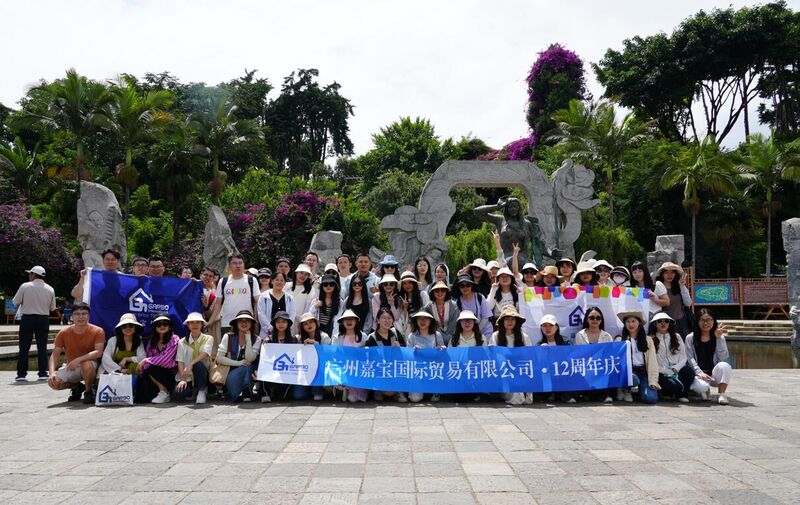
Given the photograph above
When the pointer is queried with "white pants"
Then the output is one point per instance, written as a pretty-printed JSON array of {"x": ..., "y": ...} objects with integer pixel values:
[
  {"x": 721, "y": 374},
  {"x": 72, "y": 376}
]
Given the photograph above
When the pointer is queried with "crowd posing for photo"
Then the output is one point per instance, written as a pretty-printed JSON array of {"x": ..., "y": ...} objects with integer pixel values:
[{"x": 675, "y": 353}]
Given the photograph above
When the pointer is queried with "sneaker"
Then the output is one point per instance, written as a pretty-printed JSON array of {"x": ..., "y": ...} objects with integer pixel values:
[
  {"x": 608, "y": 400},
  {"x": 318, "y": 398},
  {"x": 627, "y": 397},
  {"x": 76, "y": 393},
  {"x": 201, "y": 396},
  {"x": 435, "y": 398},
  {"x": 705, "y": 395},
  {"x": 88, "y": 396},
  {"x": 401, "y": 398},
  {"x": 378, "y": 396},
  {"x": 21, "y": 379},
  {"x": 723, "y": 400},
  {"x": 620, "y": 394},
  {"x": 571, "y": 400},
  {"x": 266, "y": 398},
  {"x": 352, "y": 398},
  {"x": 683, "y": 399},
  {"x": 161, "y": 397},
  {"x": 528, "y": 398},
  {"x": 42, "y": 378}
]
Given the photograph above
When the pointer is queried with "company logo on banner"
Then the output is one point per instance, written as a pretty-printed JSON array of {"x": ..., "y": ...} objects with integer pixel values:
[
  {"x": 109, "y": 395},
  {"x": 288, "y": 363},
  {"x": 140, "y": 301},
  {"x": 569, "y": 305}
]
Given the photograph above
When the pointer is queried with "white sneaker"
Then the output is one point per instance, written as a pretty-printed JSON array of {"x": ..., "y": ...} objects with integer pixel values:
[
  {"x": 572, "y": 400},
  {"x": 723, "y": 400},
  {"x": 21, "y": 379},
  {"x": 201, "y": 396},
  {"x": 317, "y": 398},
  {"x": 161, "y": 397},
  {"x": 627, "y": 397},
  {"x": 608, "y": 400},
  {"x": 706, "y": 395},
  {"x": 401, "y": 398},
  {"x": 683, "y": 399},
  {"x": 528, "y": 398},
  {"x": 435, "y": 398},
  {"x": 266, "y": 398}
]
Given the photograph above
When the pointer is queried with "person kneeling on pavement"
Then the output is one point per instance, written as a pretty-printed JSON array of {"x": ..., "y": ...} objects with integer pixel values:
[{"x": 83, "y": 344}]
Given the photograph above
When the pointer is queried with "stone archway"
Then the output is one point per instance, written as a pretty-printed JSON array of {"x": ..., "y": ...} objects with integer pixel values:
[{"x": 420, "y": 231}]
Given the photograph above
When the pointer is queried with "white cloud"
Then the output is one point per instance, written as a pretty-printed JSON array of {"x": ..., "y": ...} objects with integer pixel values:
[{"x": 460, "y": 63}]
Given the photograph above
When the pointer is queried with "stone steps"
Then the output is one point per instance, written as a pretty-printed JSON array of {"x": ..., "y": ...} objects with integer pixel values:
[{"x": 776, "y": 331}]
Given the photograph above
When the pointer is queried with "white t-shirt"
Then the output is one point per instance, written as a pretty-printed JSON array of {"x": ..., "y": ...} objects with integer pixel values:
[
  {"x": 659, "y": 291},
  {"x": 239, "y": 295}
]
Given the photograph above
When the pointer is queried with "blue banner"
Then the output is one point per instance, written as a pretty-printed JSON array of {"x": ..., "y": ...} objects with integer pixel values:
[
  {"x": 112, "y": 294},
  {"x": 457, "y": 370}
]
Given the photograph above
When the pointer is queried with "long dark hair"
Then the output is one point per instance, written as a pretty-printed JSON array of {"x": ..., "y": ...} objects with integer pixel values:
[
  {"x": 640, "y": 337},
  {"x": 428, "y": 274},
  {"x": 647, "y": 278},
  {"x": 697, "y": 332},
  {"x": 135, "y": 341},
  {"x": 154, "y": 338},
  {"x": 395, "y": 295},
  {"x": 674, "y": 338},
  {"x": 559, "y": 340},
  {"x": 431, "y": 328},
  {"x": 415, "y": 299},
  {"x": 235, "y": 331},
  {"x": 675, "y": 287},
  {"x": 365, "y": 296},
  {"x": 514, "y": 290},
  {"x": 288, "y": 339},
  {"x": 336, "y": 299},
  {"x": 307, "y": 285},
  {"x": 475, "y": 330},
  {"x": 484, "y": 283},
  {"x": 502, "y": 340},
  {"x": 342, "y": 330},
  {"x": 589, "y": 310},
  {"x": 302, "y": 335}
]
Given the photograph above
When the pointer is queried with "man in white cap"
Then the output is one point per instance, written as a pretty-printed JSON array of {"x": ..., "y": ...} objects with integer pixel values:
[{"x": 36, "y": 300}]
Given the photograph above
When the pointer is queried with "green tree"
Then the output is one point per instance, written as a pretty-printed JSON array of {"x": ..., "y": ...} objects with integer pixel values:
[
  {"x": 74, "y": 104},
  {"x": 394, "y": 189},
  {"x": 592, "y": 133},
  {"x": 23, "y": 168},
  {"x": 134, "y": 118},
  {"x": 703, "y": 167},
  {"x": 408, "y": 145},
  {"x": 765, "y": 164}
]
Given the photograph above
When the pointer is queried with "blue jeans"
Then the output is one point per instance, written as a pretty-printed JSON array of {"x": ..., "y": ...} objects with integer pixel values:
[
  {"x": 305, "y": 392},
  {"x": 200, "y": 382},
  {"x": 646, "y": 395},
  {"x": 239, "y": 379}
]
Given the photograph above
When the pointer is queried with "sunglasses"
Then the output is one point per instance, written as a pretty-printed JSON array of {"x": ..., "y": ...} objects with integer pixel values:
[
  {"x": 662, "y": 322},
  {"x": 392, "y": 284},
  {"x": 357, "y": 284},
  {"x": 162, "y": 323},
  {"x": 328, "y": 284},
  {"x": 594, "y": 318}
]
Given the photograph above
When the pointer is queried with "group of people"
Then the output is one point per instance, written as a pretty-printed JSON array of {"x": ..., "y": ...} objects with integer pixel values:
[{"x": 673, "y": 353}]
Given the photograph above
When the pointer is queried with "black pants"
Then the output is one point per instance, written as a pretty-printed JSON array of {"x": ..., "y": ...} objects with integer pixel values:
[
  {"x": 146, "y": 390},
  {"x": 30, "y": 325}
]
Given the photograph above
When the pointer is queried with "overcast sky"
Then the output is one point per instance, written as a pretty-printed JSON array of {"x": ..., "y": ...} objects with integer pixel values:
[{"x": 462, "y": 64}]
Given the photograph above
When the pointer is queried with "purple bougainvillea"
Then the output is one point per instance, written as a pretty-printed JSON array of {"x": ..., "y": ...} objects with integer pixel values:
[
  {"x": 519, "y": 150},
  {"x": 555, "y": 78}
]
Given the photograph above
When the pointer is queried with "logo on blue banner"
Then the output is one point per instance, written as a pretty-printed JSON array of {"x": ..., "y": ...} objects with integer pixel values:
[{"x": 284, "y": 363}]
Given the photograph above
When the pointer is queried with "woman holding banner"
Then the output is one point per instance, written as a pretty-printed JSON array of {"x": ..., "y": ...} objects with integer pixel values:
[
  {"x": 386, "y": 336},
  {"x": 551, "y": 336},
  {"x": 348, "y": 336},
  {"x": 643, "y": 358},
  {"x": 389, "y": 297},
  {"x": 424, "y": 336},
  {"x": 467, "y": 298},
  {"x": 236, "y": 351},
  {"x": 509, "y": 334},
  {"x": 157, "y": 369},
  {"x": 594, "y": 332},
  {"x": 674, "y": 377},
  {"x": 444, "y": 310}
]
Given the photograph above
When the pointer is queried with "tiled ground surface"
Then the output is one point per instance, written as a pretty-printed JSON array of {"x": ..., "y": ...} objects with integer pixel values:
[{"x": 748, "y": 452}]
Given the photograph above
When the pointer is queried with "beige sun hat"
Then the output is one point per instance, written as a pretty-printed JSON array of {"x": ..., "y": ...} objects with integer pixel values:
[
  {"x": 194, "y": 317},
  {"x": 669, "y": 266},
  {"x": 349, "y": 314},
  {"x": 509, "y": 311},
  {"x": 467, "y": 314},
  {"x": 625, "y": 314},
  {"x": 302, "y": 267},
  {"x": 388, "y": 278},
  {"x": 661, "y": 316},
  {"x": 307, "y": 316},
  {"x": 548, "y": 319},
  {"x": 440, "y": 285},
  {"x": 480, "y": 263},
  {"x": 505, "y": 271},
  {"x": 128, "y": 318}
]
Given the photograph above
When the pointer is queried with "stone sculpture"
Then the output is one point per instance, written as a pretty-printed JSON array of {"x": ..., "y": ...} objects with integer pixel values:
[
  {"x": 218, "y": 242},
  {"x": 420, "y": 231},
  {"x": 100, "y": 225},
  {"x": 327, "y": 245},
  {"x": 515, "y": 229},
  {"x": 668, "y": 248},
  {"x": 791, "y": 244}
]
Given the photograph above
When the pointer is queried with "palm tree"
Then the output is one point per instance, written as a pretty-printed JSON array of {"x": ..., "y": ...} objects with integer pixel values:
[
  {"x": 702, "y": 167},
  {"x": 133, "y": 118},
  {"x": 764, "y": 164},
  {"x": 22, "y": 168},
  {"x": 591, "y": 132},
  {"x": 77, "y": 105},
  {"x": 218, "y": 129}
]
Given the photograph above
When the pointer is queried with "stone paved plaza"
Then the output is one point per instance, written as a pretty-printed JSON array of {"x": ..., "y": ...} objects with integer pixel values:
[{"x": 748, "y": 452}]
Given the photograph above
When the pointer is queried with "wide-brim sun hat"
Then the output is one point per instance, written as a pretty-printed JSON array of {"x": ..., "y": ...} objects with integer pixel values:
[
  {"x": 584, "y": 267},
  {"x": 421, "y": 313},
  {"x": 548, "y": 270},
  {"x": 669, "y": 266},
  {"x": 505, "y": 271},
  {"x": 387, "y": 279},
  {"x": 302, "y": 267},
  {"x": 282, "y": 314},
  {"x": 509, "y": 311},
  {"x": 440, "y": 285},
  {"x": 389, "y": 260},
  {"x": 621, "y": 270},
  {"x": 408, "y": 276},
  {"x": 602, "y": 263},
  {"x": 349, "y": 314},
  {"x": 661, "y": 316},
  {"x": 493, "y": 264},
  {"x": 548, "y": 319},
  {"x": 529, "y": 266},
  {"x": 567, "y": 260},
  {"x": 331, "y": 266},
  {"x": 625, "y": 314},
  {"x": 161, "y": 318},
  {"x": 467, "y": 314},
  {"x": 479, "y": 263},
  {"x": 242, "y": 314},
  {"x": 307, "y": 316},
  {"x": 128, "y": 318},
  {"x": 195, "y": 317}
]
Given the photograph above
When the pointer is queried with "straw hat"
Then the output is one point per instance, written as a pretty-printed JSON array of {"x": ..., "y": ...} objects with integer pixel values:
[
  {"x": 548, "y": 319},
  {"x": 307, "y": 316},
  {"x": 388, "y": 278},
  {"x": 625, "y": 314},
  {"x": 509, "y": 311},
  {"x": 440, "y": 285},
  {"x": 349, "y": 314},
  {"x": 282, "y": 314},
  {"x": 479, "y": 263},
  {"x": 669, "y": 266},
  {"x": 661, "y": 316},
  {"x": 548, "y": 270},
  {"x": 195, "y": 317},
  {"x": 128, "y": 319},
  {"x": 467, "y": 314}
]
